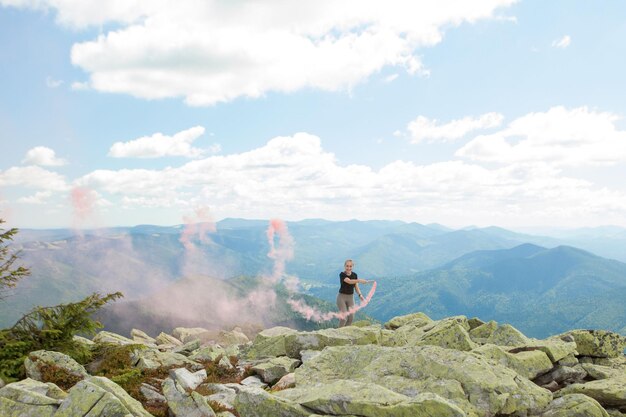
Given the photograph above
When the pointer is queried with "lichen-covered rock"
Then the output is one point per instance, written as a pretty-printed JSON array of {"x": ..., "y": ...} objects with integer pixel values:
[
  {"x": 183, "y": 403},
  {"x": 208, "y": 353},
  {"x": 28, "y": 398},
  {"x": 575, "y": 405},
  {"x": 529, "y": 364},
  {"x": 319, "y": 339},
  {"x": 97, "y": 397},
  {"x": 601, "y": 372},
  {"x": 287, "y": 381},
  {"x": 485, "y": 388},
  {"x": 153, "y": 359},
  {"x": 83, "y": 341},
  {"x": 415, "y": 319},
  {"x": 274, "y": 369},
  {"x": 166, "y": 339},
  {"x": 187, "y": 348},
  {"x": 187, "y": 334},
  {"x": 507, "y": 335},
  {"x": 256, "y": 402},
  {"x": 481, "y": 333},
  {"x": 221, "y": 394},
  {"x": 253, "y": 381},
  {"x": 141, "y": 337},
  {"x": 598, "y": 343},
  {"x": 342, "y": 397},
  {"x": 563, "y": 375},
  {"x": 112, "y": 338},
  {"x": 10, "y": 408},
  {"x": 448, "y": 334},
  {"x": 610, "y": 392},
  {"x": 269, "y": 343},
  {"x": 555, "y": 348},
  {"x": 45, "y": 365},
  {"x": 188, "y": 381}
]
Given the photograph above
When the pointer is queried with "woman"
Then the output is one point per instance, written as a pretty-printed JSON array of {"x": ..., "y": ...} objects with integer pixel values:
[{"x": 345, "y": 299}]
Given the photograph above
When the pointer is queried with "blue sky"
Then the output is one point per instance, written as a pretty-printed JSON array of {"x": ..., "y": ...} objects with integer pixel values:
[{"x": 490, "y": 112}]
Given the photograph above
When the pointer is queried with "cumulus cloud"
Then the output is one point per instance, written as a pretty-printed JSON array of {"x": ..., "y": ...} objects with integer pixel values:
[
  {"x": 216, "y": 51},
  {"x": 424, "y": 129},
  {"x": 44, "y": 156},
  {"x": 33, "y": 177},
  {"x": 39, "y": 197},
  {"x": 562, "y": 43},
  {"x": 295, "y": 174},
  {"x": 159, "y": 145},
  {"x": 559, "y": 136}
]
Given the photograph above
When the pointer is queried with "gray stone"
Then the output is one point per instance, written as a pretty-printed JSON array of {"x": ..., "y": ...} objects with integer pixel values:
[
  {"x": 187, "y": 334},
  {"x": 256, "y": 402},
  {"x": 186, "y": 379},
  {"x": 598, "y": 343},
  {"x": 287, "y": 381},
  {"x": 112, "y": 338},
  {"x": 166, "y": 339},
  {"x": 36, "y": 361},
  {"x": 141, "y": 337},
  {"x": 253, "y": 381},
  {"x": 30, "y": 391},
  {"x": 610, "y": 392},
  {"x": 151, "y": 393},
  {"x": 274, "y": 369},
  {"x": 184, "y": 404},
  {"x": 574, "y": 405},
  {"x": 414, "y": 319},
  {"x": 10, "y": 408}
]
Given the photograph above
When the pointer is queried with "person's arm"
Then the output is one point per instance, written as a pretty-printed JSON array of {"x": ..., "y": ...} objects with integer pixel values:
[
  {"x": 358, "y": 291},
  {"x": 355, "y": 281}
]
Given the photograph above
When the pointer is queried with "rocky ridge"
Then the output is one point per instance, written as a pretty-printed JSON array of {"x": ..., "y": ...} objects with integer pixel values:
[{"x": 412, "y": 366}]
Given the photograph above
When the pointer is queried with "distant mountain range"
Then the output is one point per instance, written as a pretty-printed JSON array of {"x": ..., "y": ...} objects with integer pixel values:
[{"x": 480, "y": 271}]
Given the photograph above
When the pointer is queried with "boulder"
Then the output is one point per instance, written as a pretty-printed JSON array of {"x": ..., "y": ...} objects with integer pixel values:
[
  {"x": 221, "y": 394},
  {"x": 507, "y": 335},
  {"x": 185, "y": 404},
  {"x": 575, "y": 405},
  {"x": 477, "y": 386},
  {"x": 319, "y": 339},
  {"x": 563, "y": 375},
  {"x": 166, "y": 339},
  {"x": 415, "y": 319},
  {"x": 98, "y": 396},
  {"x": 151, "y": 394},
  {"x": 449, "y": 333},
  {"x": 597, "y": 343},
  {"x": 187, "y": 380},
  {"x": 29, "y": 398},
  {"x": 187, "y": 334},
  {"x": 481, "y": 333},
  {"x": 208, "y": 353},
  {"x": 287, "y": 381},
  {"x": 529, "y": 364},
  {"x": 610, "y": 392},
  {"x": 49, "y": 366},
  {"x": 342, "y": 397},
  {"x": 274, "y": 369},
  {"x": 253, "y": 381},
  {"x": 187, "y": 348},
  {"x": 83, "y": 341},
  {"x": 142, "y": 338},
  {"x": 556, "y": 349},
  {"x": 601, "y": 372},
  {"x": 112, "y": 338},
  {"x": 153, "y": 359},
  {"x": 270, "y": 343},
  {"x": 256, "y": 402}
]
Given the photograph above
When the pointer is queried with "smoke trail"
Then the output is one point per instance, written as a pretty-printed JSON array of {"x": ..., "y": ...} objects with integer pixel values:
[
  {"x": 284, "y": 252},
  {"x": 197, "y": 226},
  {"x": 83, "y": 202},
  {"x": 311, "y": 313}
]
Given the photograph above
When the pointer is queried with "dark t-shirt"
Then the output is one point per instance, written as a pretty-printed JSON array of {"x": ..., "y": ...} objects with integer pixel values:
[{"x": 345, "y": 287}]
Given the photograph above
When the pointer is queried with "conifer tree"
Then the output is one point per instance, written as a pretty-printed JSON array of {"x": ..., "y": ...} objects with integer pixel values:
[{"x": 9, "y": 273}]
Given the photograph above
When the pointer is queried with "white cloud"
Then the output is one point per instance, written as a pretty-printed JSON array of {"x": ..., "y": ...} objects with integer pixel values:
[
  {"x": 44, "y": 156},
  {"x": 390, "y": 78},
  {"x": 217, "y": 51},
  {"x": 562, "y": 43},
  {"x": 52, "y": 83},
  {"x": 424, "y": 129},
  {"x": 39, "y": 197},
  {"x": 33, "y": 177},
  {"x": 159, "y": 145},
  {"x": 80, "y": 86},
  {"x": 295, "y": 176},
  {"x": 560, "y": 136}
]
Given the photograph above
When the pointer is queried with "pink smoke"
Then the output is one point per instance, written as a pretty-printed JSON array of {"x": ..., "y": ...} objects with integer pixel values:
[
  {"x": 83, "y": 201},
  {"x": 284, "y": 252},
  {"x": 197, "y": 226},
  {"x": 311, "y": 313}
]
